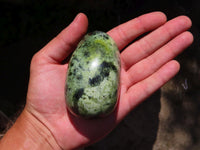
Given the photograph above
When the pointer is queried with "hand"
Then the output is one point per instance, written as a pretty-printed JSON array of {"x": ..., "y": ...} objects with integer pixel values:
[{"x": 146, "y": 65}]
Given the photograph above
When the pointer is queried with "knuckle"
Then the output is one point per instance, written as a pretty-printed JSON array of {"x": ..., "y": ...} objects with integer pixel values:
[{"x": 36, "y": 60}]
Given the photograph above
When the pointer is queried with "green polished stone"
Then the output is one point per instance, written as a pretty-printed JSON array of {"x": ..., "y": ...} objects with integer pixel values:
[{"x": 93, "y": 76}]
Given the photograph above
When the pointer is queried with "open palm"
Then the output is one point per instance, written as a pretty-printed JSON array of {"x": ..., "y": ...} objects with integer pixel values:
[{"x": 146, "y": 65}]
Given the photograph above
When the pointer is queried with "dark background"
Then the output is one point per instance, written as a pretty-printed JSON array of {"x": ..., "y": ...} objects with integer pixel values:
[{"x": 27, "y": 25}]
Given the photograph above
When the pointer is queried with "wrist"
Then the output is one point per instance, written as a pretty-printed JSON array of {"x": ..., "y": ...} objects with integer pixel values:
[{"x": 28, "y": 133}]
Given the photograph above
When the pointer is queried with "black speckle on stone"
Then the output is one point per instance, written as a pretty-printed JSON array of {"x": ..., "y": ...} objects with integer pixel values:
[
  {"x": 105, "y": 69},
  {"x": 75, "y": 58},
  {"x": 78, "y": 94},
  {"x": 105, "y": 36},
  {"x": 69, "y": 89},
  {"x": 79, "y": 46},
  {"x": 79, "y": 77},
  {"x": 86, "y": 44},
  {"x": 114, "y": 68},
  {"x": 107, "y": 65},
  {"x": 86, "y": 54},
  {"x": 70, "y": 73},
  {"x": 105, "y": 73},
  {"x": 80, "y": 66},
  {"x": 95, "y": 80},
  {"x": 72, "y": 64},
  {"x": 74, "y": 71}
]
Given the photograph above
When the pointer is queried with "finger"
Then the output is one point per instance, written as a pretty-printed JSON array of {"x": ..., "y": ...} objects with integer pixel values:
[
  {"x": 149, "y": 65},
  {"x": 148, "y": 44},
  {"x": 64, "y": 43},
  {"x": 127, "y": 32},
  {"x": 140, "y": 91}
]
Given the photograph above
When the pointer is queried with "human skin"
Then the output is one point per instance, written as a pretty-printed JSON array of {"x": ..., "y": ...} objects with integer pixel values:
[{"x": 146, "y": 65}]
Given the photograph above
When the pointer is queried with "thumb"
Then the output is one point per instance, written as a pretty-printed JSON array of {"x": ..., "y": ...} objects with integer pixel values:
[{"x": 65, "y": 42}]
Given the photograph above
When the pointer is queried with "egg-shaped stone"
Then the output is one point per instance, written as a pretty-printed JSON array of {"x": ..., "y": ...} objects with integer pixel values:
[{"x": 93, "y": 77}]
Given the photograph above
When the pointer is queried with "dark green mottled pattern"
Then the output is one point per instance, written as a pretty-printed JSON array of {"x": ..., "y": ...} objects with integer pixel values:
[{"x": 93, "y": 76}]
